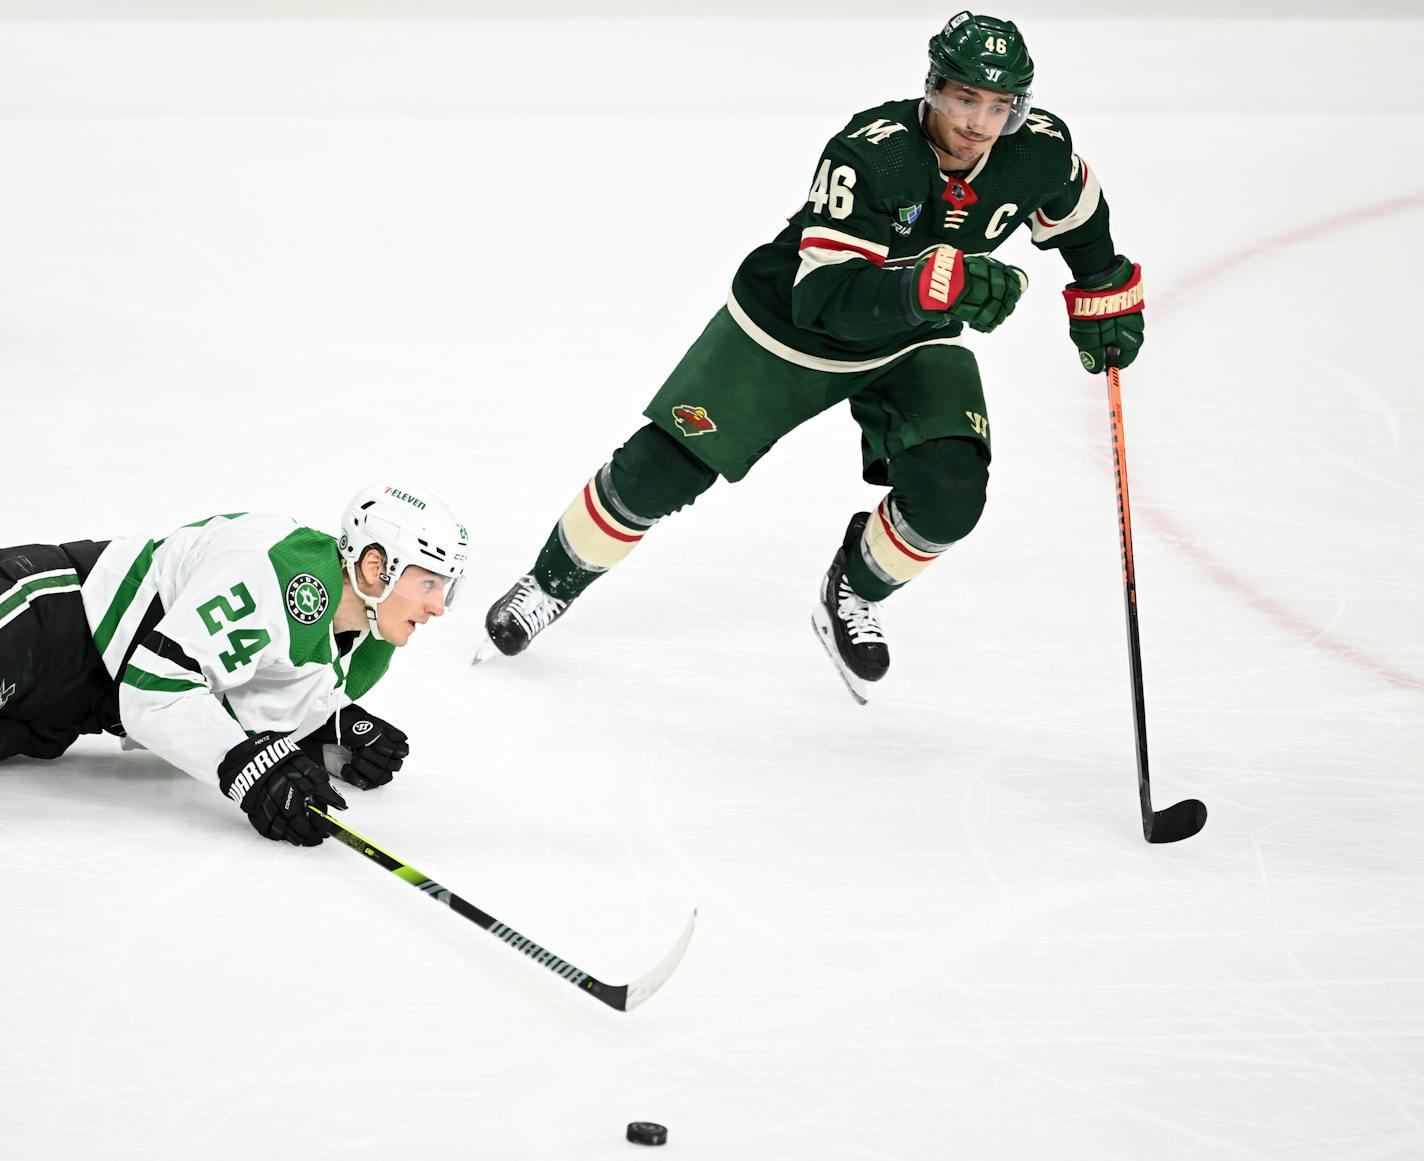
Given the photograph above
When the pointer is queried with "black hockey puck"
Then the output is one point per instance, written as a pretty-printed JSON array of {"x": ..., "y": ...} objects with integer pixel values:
[{"x": 647, "y": 1133}]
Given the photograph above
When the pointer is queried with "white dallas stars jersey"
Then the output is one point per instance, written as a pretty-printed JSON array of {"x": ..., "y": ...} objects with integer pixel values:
[{"x": 222, "y": 629}]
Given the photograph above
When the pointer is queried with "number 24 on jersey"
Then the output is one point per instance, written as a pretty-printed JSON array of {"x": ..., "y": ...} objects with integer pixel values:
[{"x": 245, "y": 643}]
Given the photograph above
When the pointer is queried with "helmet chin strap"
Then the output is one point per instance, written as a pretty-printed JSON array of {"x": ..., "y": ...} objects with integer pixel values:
[
  {"x": 370, "y": 604},
  {"x": 927, "y": 127}
]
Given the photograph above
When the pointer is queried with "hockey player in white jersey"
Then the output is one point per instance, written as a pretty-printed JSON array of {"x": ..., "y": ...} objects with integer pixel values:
[{"x": 235, "y": 648}]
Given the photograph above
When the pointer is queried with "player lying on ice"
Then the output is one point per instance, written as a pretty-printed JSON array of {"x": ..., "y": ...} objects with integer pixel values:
[
  {"x": 864, "y": 297},
  {"x": 235, "y": 648}
]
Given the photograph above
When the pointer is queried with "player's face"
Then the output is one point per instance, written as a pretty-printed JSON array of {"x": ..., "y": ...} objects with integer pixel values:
[
  {"x": 967, "y": 121},
  {"x": 419, "y": 595}
]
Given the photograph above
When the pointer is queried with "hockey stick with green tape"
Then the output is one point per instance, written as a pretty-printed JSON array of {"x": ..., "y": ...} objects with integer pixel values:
[{"x": 624, "y": 997}]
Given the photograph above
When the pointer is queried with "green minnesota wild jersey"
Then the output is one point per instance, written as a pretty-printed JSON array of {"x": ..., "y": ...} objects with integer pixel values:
[
  {"x": 222, "y": 629},
  {"x": 826, "y": 293}
]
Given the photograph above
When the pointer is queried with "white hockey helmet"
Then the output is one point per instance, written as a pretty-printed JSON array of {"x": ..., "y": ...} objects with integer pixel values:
[{"x": 410, "y": 525}]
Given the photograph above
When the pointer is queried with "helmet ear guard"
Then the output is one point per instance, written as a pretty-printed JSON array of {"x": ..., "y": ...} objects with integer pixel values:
[{"x": 368, "y": 602}]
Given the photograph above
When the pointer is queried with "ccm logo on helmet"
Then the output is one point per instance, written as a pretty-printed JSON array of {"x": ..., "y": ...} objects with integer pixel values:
[{"x": 397, "y": 494}]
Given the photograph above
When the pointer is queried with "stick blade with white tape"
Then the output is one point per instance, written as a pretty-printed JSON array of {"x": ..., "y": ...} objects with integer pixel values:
[{"x": 640, "y": 989}]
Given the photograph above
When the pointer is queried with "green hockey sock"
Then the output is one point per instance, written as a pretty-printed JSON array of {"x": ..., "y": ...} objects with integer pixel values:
[
  {"x": 936, "y": 499},
  {"x": 648, "y": 477}
]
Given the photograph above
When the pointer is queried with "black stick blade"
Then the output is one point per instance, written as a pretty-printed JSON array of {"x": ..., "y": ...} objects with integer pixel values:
[{"x": 1176, "y": 823}]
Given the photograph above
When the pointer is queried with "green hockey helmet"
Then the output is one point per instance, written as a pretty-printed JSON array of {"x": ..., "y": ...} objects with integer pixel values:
[{"x": 983, "y": 53}]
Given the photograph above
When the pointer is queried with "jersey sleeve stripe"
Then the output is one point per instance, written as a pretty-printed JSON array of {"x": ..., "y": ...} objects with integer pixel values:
[
  {"x": 836, "y": 240},
  {"x": 814, "y": 257},
  {"x": 169, "y": 649},
  {"x": 144, "y": 659},
  {"x": 1043, "y": 227},
  {"x": 775, "y": 346},
  {"x": 123, "y": 597},
  {"x": 140, "y": 679}
]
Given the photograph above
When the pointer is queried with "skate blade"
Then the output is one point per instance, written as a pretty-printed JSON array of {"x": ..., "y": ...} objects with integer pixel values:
[
  {"x": 485, "y": 650},
  {"x": 821, "y": 623}
]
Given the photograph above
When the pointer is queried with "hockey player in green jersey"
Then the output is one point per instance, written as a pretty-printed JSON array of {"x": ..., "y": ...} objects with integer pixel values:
[
  {"x": 864, "y": 297},
  {"x": 235, "y": 648}
]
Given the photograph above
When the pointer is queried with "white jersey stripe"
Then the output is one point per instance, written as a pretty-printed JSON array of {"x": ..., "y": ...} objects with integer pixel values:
[
  {"x": 814, "y": 362},
  {"x": 150, "y": 662},
  {"x": 814, "y": 257},
  {"x": 1043, "y": 228}
]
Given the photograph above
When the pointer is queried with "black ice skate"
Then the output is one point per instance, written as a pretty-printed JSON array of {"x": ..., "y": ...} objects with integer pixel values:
[
  {"x": 848, "y": 625},
  {"x": 518, "y": 617}
]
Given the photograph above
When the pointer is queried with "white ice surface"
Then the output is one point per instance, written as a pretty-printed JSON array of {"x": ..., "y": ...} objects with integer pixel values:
[{"x": 929, "y": 928}]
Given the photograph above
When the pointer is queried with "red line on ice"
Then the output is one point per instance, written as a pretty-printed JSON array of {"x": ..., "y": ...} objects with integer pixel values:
[{"x": 1179, "y": 538}]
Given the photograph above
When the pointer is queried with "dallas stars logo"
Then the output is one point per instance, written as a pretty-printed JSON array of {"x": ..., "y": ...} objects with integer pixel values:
[{"x": 306, "y": 598}]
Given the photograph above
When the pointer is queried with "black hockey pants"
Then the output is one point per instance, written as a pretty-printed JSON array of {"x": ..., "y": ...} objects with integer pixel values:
[{"x": 53, "y": 684}]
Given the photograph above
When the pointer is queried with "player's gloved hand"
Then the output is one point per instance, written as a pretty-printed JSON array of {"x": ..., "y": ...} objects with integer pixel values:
[
  {"x": 1106, "y": 311},
  {"x": 973, "y": 288},
  {"x": 272, "y": 780},
  {"x": 377, "y": 748},
  {"x": 358, "y": 747}
]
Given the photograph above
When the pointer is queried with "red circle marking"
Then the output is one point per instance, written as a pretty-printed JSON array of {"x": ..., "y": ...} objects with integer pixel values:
[{"x": 1178, "y": 537}]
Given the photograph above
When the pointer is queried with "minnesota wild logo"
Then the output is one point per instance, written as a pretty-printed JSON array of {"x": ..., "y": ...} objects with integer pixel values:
[
  {"x": 692, "y": 420},
  {"x": 306, "y": 598}
]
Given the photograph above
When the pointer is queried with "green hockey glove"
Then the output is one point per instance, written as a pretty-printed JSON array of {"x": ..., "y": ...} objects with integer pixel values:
[
  {"x": 1106, "y": 311},
  {"x": 973, "y": 288}
]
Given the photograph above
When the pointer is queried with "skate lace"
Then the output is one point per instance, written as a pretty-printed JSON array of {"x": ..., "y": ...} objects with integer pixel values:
[
  {"x": 860, "y": 617},
  {"x": 535, "y": 609}
]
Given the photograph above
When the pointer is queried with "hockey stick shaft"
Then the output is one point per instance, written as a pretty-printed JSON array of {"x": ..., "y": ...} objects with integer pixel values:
[
  {"x": 1185, "y": 818},
  {"x": 1129, "y": 593},
  {"x": 619, "y": 996}
]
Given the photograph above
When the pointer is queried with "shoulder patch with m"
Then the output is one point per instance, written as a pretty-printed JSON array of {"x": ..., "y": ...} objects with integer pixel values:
[{"x": 878, "y": 130}]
